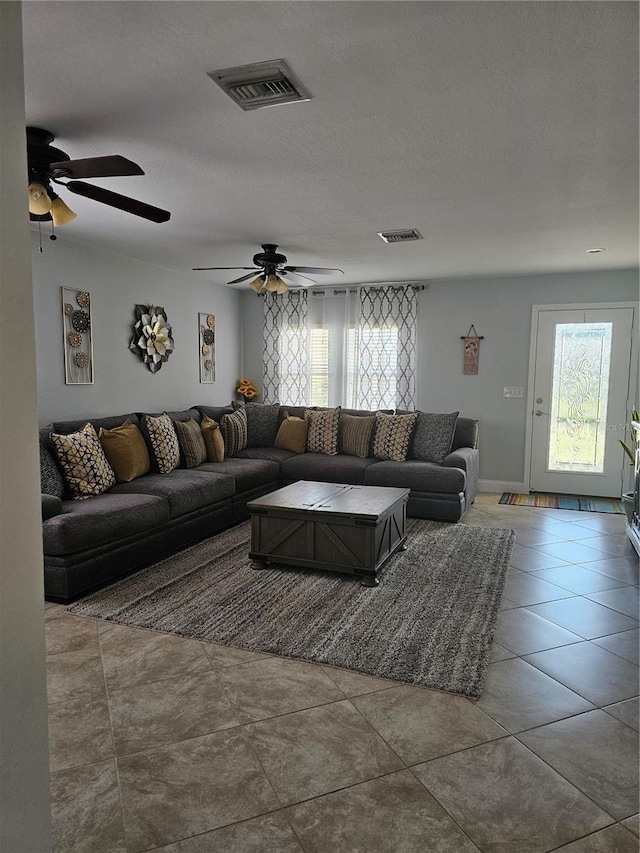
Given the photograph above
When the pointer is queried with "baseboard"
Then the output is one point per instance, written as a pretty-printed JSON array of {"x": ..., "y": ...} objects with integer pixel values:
[{"x": 500, "y": 486}]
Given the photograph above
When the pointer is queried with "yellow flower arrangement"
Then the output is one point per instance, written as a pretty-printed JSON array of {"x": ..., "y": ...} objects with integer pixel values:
[{"x": 247, "y": 389}]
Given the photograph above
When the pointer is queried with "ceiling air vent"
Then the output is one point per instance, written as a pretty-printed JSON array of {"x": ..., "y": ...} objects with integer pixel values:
[
  {"x": 400, "y": 236},
  {"x": 263, "y": 84}
]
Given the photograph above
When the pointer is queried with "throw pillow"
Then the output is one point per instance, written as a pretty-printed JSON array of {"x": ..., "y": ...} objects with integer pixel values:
[
  {"x": 83, "y": 462},
  {"x": 262, "y": 422},
  {"x": 213, "y": 439},
  {"x": 292, "y": 434},
  {"x": 126, "y": 451},
  {"x": 433, "y": 437},
  {"x": 322, "y": 431},
  {"x": 191, "y": 441},
  {"x": 392, "y": 435},
  {"x": 234, "y": 431},
  {"x": 51, "y": 482},
  {"x": 164, "y": 442},
  {"x": 355, "y": 434}
]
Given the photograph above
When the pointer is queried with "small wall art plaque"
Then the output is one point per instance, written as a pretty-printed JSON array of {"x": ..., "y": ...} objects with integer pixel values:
[
  {"x": 207, "y": 347},
  {"x": 471, "y": 355},
  {"x": 78, "y": 342}
]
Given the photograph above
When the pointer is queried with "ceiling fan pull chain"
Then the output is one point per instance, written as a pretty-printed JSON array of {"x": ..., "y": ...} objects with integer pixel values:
[{"x": 39, "y": 235}]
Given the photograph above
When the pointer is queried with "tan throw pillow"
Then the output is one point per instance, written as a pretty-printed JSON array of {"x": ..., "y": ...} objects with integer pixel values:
[
  {"x": 213, "y": 440},
  {"x": 164, "y": 442},
  {"x": 355, "y": 434},
  {"x": 83, "y": 462},
  {"x": 392, "y": 435},
  {"x": 234, "y": 431},
  {"x": 292, "y": 434},
  {"x": 191, "y": 441},
  {"x": 322, "y": 431},
  {"x": 126, "y": 451}
]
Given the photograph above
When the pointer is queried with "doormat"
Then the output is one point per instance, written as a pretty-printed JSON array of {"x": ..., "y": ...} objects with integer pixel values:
[
  {"x": 430, "y": 622},
  {"x": 575, "y": 502}
]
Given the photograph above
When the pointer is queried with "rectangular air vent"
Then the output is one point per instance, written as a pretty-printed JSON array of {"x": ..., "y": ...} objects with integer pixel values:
[
  {"x": 400, "y": 236},
  {"x": 262, "y": 84}
]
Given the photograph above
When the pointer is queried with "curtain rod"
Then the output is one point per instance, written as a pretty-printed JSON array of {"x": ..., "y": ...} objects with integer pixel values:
[{"x": 316, "y": 291}]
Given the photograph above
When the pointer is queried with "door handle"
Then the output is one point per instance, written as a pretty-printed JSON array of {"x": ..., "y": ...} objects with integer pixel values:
[{"x": 540, "y": 412}]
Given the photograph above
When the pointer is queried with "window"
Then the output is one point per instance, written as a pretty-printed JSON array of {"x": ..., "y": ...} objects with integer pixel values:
[
  {"x": 372, "y": 366},
  {"x": 319, "y": 364}
]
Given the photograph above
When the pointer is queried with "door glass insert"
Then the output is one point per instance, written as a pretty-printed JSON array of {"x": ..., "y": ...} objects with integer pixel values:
[{"x": 580, "y": 390}]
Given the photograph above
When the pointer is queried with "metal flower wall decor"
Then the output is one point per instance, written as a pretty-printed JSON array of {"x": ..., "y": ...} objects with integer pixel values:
[
  {"x": 78, "y": 345},
  {"x": 152, "y": 336}
]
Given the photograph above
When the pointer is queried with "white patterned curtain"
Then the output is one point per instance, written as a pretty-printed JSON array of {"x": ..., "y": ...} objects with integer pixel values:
[
  {"x": 385, "y": 348},
  {"x": 286, "y": 348}
]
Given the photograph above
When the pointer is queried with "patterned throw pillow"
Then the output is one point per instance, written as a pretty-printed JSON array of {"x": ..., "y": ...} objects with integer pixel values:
[
  {"x": 213, "y": 439},
  {"x": 292, "y": 434},
  {"x": 51, "y": 482},
  {"x": 322, "y": 431},
  {"x": 355, "y": 434},
  {"x": 126, "y": 451},
  {"x": 392, "y": 435},
  {"x": 83, "y": 462},
  {"x": 164, "y": 442},
  {"x": 191, "y": 441},
  {"x": 234, "y": 431},
  {"x": 433, "y": 437}
]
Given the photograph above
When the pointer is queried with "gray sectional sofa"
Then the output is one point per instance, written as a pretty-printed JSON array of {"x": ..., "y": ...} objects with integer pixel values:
[{"x": 89, "y": 543}]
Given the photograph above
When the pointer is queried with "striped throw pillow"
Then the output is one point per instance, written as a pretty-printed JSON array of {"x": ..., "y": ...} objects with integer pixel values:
[
  {"x": 191, "y": 441},
  {"x": 355, "y": 434},
  {"x": 234, "y": 431}
]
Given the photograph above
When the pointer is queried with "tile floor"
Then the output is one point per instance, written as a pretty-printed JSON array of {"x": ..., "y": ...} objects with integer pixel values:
[{"x": 168, "y": 744}]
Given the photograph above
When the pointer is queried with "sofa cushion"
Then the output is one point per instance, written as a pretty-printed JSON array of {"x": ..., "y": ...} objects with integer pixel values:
[
  {"x": 262, "y": 423},
  {"x": 163, "y": 441},
  {"x": 109, "y": 422},
  {"x": 184, "y": 490},
  {"x": 327, "y": 469},
  {"x": 214, "y": 412},
  {"x": 104, "y": 519},
  {"x": 292, "y": 434},
  {"x": 50, "y": 505},
  {"x": 355, "y": 433},
  {"x": 466, "y": 433},
  {"x": 234, "y": 431},
  {"x": 51, "y": 482},
  {"x": 247, "y": 473},
  {"x": 126, "y": 451},
  {"x": 273, "y": 454},
  {"x": 415, "y": 475},
  {"x": 322, "y": 432},
  {"x": 392, "y": 435},
  {"x": 191, "y": 441},
  {"x": 433, "y": 436},
  {"x": 213, "y": 440},
  {"x": 83, "y": 462}
]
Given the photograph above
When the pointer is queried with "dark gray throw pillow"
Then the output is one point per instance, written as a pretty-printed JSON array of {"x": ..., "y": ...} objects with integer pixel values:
[
  {"x": 51, "y": 482},
  {"x": 433, "y": 436},
  {"x": 262, "y": 423}
]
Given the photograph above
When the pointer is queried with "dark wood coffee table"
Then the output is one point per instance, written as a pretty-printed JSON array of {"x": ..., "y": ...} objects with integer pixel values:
[{"x": 341, "y": 528}]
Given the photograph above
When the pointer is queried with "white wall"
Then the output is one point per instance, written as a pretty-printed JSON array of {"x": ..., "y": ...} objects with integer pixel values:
[
  {"x": 500, "y": 309},
  {"x": 122, "y": 382},
  {"x": 24, "y": 772}
]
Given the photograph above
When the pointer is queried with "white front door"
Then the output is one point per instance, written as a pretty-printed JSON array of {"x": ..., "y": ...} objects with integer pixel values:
[{"x": 580, "y": 400}]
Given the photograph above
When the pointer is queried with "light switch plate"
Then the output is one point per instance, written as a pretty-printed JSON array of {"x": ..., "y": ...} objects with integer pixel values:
[{"x": 513, "y": 391}]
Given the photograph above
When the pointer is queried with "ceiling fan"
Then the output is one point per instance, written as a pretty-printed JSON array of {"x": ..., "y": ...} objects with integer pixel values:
[
  {"x": 273, "y": 273},
  {"x": 48, "y": 165}
]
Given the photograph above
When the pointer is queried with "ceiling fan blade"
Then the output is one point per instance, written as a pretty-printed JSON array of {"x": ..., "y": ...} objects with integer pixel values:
[
  {"x": 122, "y": 202},
  {"x": 313, "y": 270},
  {"x": 97, "y": 167},
  {"x": 225, "y": 268},
  {"x": 244, "y": 277},
  {"x": 287, "y": 272}
]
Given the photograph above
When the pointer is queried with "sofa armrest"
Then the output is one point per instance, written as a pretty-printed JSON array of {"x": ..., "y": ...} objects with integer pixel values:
[
  {"x": 51, "y": 506},
  {"x": 467, "y": 459}
]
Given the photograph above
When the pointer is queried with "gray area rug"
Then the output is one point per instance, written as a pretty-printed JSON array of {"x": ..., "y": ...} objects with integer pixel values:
[{"x": 429, "y": 622}]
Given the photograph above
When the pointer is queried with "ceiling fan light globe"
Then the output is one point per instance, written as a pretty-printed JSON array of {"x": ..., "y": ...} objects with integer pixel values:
[
  {"x": 61, "y": 213},
  {"x": 257, "y": 284},
  {"x": 282, "y": 287},
  {"x": 39, "y": 201},
  {"x": 273, "y": 283}
]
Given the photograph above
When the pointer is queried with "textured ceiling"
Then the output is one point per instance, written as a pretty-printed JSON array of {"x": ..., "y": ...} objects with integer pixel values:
[{"x": 505, "y": 132}]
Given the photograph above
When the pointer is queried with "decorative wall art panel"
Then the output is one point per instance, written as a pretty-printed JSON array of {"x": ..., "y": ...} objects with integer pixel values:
[
  {"x": 152, "y": 336},
  {"x": 207, "y": 347},
  {"x": 78, "y": 342}
]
